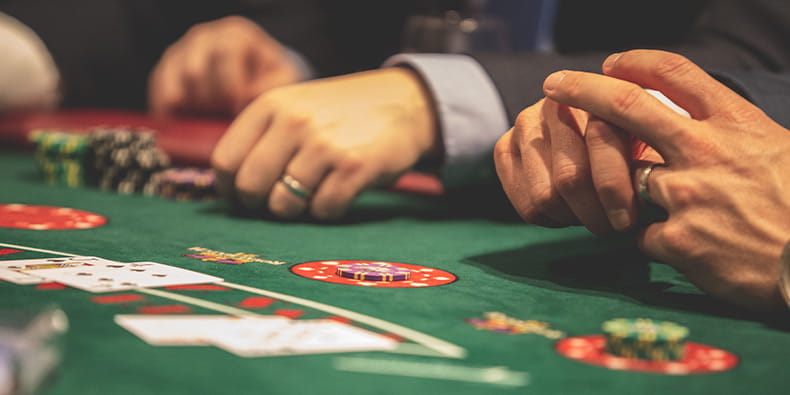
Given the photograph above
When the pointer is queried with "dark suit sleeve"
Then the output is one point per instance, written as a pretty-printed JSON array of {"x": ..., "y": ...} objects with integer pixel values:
[
  {"x": 724, "y": 35},
  {"x": 769, "y": 91}
]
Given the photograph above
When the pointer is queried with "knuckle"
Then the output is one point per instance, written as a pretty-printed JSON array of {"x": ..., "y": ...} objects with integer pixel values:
[
  {"x": 676, "y": 239},
  {"x": 544, "y": 198},
  {"x": 351, "y": 162},
  {"x": 569, "y": 178},
  {"x": 626, "y": 99},
  {"x": 504, "y": 147},
  {"x": 672, "y": 65},
  {"x": 524, "y": 120}
]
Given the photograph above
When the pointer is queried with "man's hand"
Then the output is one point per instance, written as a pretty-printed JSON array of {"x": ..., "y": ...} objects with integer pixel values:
[
  {"x": 336, "y": 137},
  {"x": 559, "y": 167},
  {"x": 726, "y": 184},
  {"x": 218, "y": 67}
]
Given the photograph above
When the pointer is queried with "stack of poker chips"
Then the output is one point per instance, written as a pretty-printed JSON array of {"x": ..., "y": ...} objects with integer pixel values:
[
  {"x": 61, "y": 156},
  {"x": 373, "y": 271},
  {"x": 125, "y": 160},
  {"x": 187, "y": 183},
  {"x": 645, "y": 339}
]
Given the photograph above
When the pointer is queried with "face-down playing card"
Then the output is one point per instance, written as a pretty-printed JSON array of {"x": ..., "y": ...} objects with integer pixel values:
[{"x": 109, "y": 276}]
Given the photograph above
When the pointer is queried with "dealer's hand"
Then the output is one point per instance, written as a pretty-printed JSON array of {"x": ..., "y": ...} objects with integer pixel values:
[
  {"x": 218, "y": 67},
  {"x": 333, "y": 138},
  {"x": 726, "y": 186}
]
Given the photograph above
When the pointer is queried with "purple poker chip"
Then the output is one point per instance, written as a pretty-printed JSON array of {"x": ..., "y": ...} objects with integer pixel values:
[{"x": 373, "y": 271}]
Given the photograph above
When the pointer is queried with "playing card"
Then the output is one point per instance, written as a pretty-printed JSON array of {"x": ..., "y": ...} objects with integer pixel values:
[
  {"x": 109, "y": 276},
  {"x": 23, "y": 271},
  {"x": 188, "y": 330},
  {"x": 300, "y": 337}
]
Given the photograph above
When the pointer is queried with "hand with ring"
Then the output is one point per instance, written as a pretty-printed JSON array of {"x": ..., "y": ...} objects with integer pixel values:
[
  {"x": 313, "y": 147},
  {"x": 559, "y": 166},
  {"x": 726, "y": 182}
]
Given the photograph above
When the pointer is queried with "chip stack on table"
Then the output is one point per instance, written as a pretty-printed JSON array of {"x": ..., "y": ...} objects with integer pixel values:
[
  {"x": 645, "y": 339},
  {"x": 187, "y": 183},
  {"x": 373, "y": 271},
  {"x": 124, "y": 160},
  {"x": 61, "y": 156}
]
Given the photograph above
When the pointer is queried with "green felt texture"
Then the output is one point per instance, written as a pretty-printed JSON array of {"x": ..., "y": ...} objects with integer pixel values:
[{"x": 565, "y": 277}]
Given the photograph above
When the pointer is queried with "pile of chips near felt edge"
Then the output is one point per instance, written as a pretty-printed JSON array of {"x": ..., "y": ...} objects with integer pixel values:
[
  {"x": 643, "y": 338},
  {"x": 124, "y": 160},
  {"x": 61, "y": 157},
  {"x": 184, "y": 184}
]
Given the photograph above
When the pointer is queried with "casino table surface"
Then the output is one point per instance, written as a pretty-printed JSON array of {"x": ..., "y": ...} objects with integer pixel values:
[{"x": 564, "y": 277}]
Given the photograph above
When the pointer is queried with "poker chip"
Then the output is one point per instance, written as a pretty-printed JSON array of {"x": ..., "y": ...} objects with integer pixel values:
[
  {"x": 697, "y": 358},
  {"x": 644, "y": 338},
  {"x": 187, "y": 183},
  {"x": 61, "y": 156},
  {"x": 124, "y": 160},
  {"x": 23, "y": 216},
  {"x": 419, "y": 277},
  {"x": 373, "y": 271}
]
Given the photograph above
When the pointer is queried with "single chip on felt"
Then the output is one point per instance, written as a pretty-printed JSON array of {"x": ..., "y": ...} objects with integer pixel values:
[
  {"x": 373, "y": 271},
  {"x": 166, "y": 309},
  {"x": 256, "y": 302},
  {"x": 25, "y": 216},
  {"x": 120, "y": 298}
]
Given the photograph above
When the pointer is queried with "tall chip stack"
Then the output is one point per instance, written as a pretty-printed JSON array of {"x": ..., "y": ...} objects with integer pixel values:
[
  {"x": 124, "y": 160},
  {"x": 61, "y": 156}
]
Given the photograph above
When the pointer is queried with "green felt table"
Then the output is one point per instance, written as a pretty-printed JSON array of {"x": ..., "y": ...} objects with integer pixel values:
[{"x": 565, "y": 277}]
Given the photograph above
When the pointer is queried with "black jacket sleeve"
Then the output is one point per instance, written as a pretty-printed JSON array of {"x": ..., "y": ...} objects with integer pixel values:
[
  {"x": 769, "y": 91},
  {"x": 715, "y": 34}
]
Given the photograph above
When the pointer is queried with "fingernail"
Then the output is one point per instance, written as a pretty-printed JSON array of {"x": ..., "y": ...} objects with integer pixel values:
[
  {"x": 620, "y": 219},
  {"x": 608, "y": 64},
  {"x": 553, "y": 80}
]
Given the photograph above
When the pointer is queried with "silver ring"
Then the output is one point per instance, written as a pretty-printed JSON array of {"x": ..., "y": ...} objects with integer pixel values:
[
  {"x": 642, "y": 174},
  {"x": 296, "y": 187}
]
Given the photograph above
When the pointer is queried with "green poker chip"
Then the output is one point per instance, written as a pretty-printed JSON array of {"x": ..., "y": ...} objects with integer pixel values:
[{"x": 643, "y": 338}]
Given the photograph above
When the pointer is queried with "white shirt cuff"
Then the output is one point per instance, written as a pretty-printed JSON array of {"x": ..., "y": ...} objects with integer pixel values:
[{"x": 471, "y": 114}]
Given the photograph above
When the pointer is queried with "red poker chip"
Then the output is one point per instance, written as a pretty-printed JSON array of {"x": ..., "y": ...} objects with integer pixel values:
[
  {"x": 697, "y": 358},
  {"x": 24, "y": 216},
  {"x": 421, "y": 276}
]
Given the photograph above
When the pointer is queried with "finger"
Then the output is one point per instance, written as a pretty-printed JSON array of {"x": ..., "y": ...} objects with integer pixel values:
[
  {"x": 626, "y": 105},
  {"x": 609, "y": 151},
  {"x": 570, "y": 168},
  {"x": 672, "y": 75},
  {"x": 651, "y": 241},
  {"x": 308, "y": 166},
  {"x": 531, "y": 135},
  {"x": 236, "y": 144},
  {"x": 507, "y": 161},
  {"x": 196, "y": 73},
  {"x": 166, "y": 90},
  {"x": 654, "y": 183},
  {"x": 344, "y": 182},
  {"x": 265, "y": 163},
  {"x": 231, "y": 74}
]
